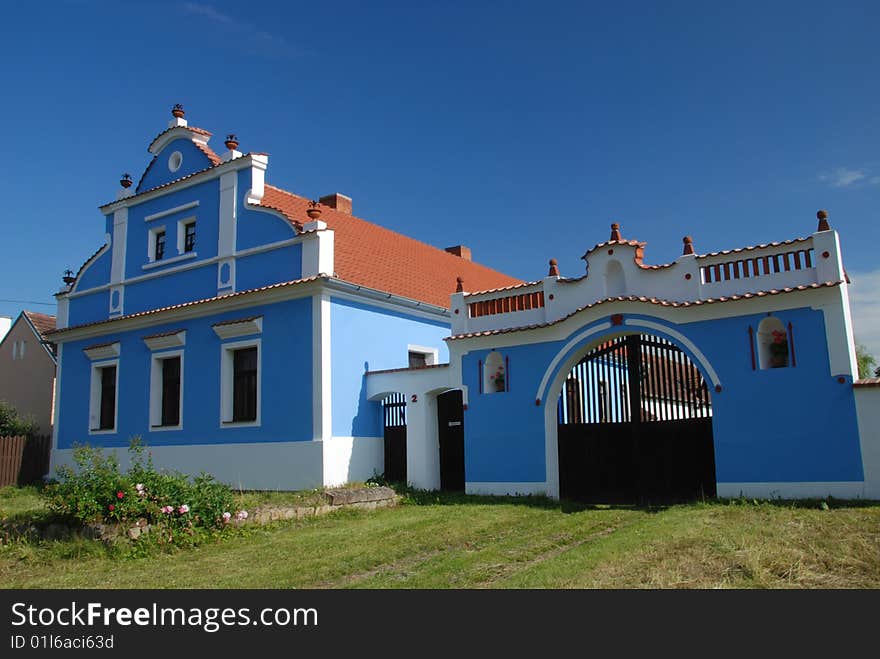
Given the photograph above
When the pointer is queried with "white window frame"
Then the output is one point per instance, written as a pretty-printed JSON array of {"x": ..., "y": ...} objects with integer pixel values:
[
  {"x": 95, "y": 399},
  {"x": 156, "y": 390},
  {"x": 151, "y": 244},
  {"x": 181, "y": 234},
  {"x": 432, "y": 355},
  {"x": 227, "y": 374}
]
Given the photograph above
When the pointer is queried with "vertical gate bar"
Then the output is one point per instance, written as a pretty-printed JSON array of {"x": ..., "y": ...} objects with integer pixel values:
[
  {"x": 633, "y": 358},
  {"x": 680, "y": 394},
  {"x": 480, "y": 373},
  {"x": 665, "y": 388}
]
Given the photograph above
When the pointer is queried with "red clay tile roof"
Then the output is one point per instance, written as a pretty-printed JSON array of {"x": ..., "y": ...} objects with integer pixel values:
[
  {"x": 648, "y": 300},
  {"x": 867, "y": 382},
  {"x": 376, "y": 257},
  {"x": 42, "y": 322}
]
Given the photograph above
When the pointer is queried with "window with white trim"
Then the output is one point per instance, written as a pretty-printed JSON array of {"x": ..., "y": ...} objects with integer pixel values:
[
  {"x": 419, "y": 356},
  {"x": 240, "y": 393},
  {"x": 166, "y": 390},
  {"x": 156, "y": 244},
  {"x": 103, "y": 403}
]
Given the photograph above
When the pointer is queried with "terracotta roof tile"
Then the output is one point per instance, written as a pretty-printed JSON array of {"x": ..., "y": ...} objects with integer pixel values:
[
  {"x": 753, "y": 247},
  {"x": 235, "y": 321},
  {"x": 163, "y": 334},
  {"x": 648, "y": 300},
  {"x": 43, "y": 323},
  {"x": 373, "y": 256}
]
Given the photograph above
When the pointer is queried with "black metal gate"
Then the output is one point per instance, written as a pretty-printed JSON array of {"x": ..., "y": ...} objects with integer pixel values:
[
  {"x": 635, "y": 425},
  {"x": 394, "y": 414},
  {"x": 450, "y": 423}
]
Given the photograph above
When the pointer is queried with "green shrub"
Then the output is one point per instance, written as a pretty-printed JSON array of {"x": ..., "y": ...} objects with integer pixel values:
[
  {"x": 96, "y": 490},
  {"x": 12, "y": 424}
]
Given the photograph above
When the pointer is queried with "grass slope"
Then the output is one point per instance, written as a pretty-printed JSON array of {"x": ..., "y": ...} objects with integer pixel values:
[{"x": 448, "y": 541}]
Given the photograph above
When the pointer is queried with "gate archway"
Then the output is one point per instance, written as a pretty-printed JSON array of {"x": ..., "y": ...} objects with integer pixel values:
[{"x": 634, "y": 424}]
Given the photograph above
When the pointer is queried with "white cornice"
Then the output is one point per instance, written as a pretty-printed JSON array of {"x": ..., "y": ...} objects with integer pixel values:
[
  {"x": 164, "y": 341},
  {"x": 171, "y": 211},
  {"x": 335, "y": 287},
  {"x": 193, "y": 179},
  {"x": 106, "y": 351},
  {"x": 234, "y": 329}
]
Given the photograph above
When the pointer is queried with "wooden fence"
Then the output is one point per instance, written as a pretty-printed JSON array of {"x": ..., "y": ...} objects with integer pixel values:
[{"x": 24, "y": 460}]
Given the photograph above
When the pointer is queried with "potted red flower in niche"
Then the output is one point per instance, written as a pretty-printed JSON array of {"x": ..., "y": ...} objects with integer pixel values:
[
  {"x": 498, "y": 379},
  {"x": 778, "y": 349}
]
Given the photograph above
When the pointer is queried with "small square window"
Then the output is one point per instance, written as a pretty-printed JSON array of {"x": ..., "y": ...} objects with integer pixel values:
[
  {"x": 159, "y": 252},
  {"x": 189, "y": 237}
]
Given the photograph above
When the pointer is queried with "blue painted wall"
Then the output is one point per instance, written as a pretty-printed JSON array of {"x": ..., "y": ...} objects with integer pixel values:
[
  {"x": 207, "y": 215},
  {"x": 184, "y": 286},
  {"x": 97, "y": 273},
  {"x": 194, "y": 160},
  {"x": 286, "y": 381},
  {"x": 264, "y": 268},
  {"x": 89, "y": 308},
  {"x": 258, "y": 227},
  {"x": 368, "y": 338},
  {"x": 801, "y": 421}
]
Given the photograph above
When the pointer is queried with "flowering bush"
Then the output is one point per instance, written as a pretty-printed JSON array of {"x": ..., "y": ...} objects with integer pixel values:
[
  {"x": 498, "y": 378},
  {"x": 96, "y": 490}
]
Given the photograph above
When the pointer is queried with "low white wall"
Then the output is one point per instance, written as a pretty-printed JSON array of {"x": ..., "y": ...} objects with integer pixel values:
[
  {"x": 258, "y": 466},
  {"x": 868, "y": 412},
  {"x": 348, "y": 459},
  {"x": 838, "y": 490}
]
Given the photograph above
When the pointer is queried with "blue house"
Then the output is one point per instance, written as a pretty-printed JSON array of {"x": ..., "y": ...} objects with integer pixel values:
[
  {"x": 230, "y": 323},
  {"x": 242, "y": 330}
]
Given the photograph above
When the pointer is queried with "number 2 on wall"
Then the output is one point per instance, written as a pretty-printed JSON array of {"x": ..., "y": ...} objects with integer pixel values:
[{"x": 415, "y": 398}]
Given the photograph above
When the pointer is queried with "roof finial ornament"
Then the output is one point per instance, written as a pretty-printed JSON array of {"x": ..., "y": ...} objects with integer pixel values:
[
  {"x": 615, "y": 232},
  {"x": 823, "y": 220},
  {"x": 177, "y": 111},
  {"x": 688, "y": 245},
  {"x": 554, "y": 268},
  {"x": 231, "y": 142},
  {"x": 459, "y": 285},
  {"x": 68, "y": 277},
  {"x": 314, "y": 210},
  {"x": 125, "y": 180}
]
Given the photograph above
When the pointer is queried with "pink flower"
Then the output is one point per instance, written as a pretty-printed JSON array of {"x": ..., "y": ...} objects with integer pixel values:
[
  {"x": 167, "y": 510},
  {"x": 140, "y": 490},
  {"x": 183, "y": 510},
  {"x": 111, "y": 507},
  {"x": 120, "y": 494},
  {"x": 241, "y": 515},
  {"x": 226, "y": 517}
]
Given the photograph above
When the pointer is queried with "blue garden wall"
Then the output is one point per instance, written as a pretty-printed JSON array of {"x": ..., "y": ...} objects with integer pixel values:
[
  {"x": 286, "y": 382},
  {"x": 369, "y": 338},
  {"x": 801, "y": 422}
]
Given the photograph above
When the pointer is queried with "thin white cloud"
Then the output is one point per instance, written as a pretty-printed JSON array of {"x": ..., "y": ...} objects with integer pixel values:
[
  {"x": 864, "y": 300},
  {"x": 843, "y": 177},
  {"x": 240, "y": 29}
]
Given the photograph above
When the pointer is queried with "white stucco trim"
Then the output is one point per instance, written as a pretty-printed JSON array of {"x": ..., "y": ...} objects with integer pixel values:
[
  {"x": 155, "y": 400},
  {"x": 226, "y": 383},
  {"x": 234, "y": 329},
  {"x": 506, "y": 489},
  {"x": 120, "y": 230},
  {"x": 247, "y": 465},
  {"x": 868, "y": 413},
  {"x": 818, "y": 490},
  {"x": 95, "y": 398},
  {"x": 56, "y": 413},
  {"x": 166, "y": 341},
  {"x": 107, "y": 351},
  {"x": 173, "y": 259},
  {"x": 171, "y": 211},
  {"x": 322, "y": 398}
]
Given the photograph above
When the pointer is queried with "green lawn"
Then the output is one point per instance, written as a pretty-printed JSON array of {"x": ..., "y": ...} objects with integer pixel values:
[{"x": 447, "y": 541}]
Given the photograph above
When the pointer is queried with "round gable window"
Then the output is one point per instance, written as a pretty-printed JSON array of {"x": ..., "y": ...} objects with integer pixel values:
[{"x": 175, "y": 161}]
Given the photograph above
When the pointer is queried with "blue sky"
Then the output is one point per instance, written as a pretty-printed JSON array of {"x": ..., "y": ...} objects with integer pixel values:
[{"x": 521, "y": 129}]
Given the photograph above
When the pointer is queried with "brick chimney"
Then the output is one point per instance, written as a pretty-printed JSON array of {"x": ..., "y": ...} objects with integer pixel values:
[
  {"x": 460, "y": 251},
  {"x": 337, "y": 201}
]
